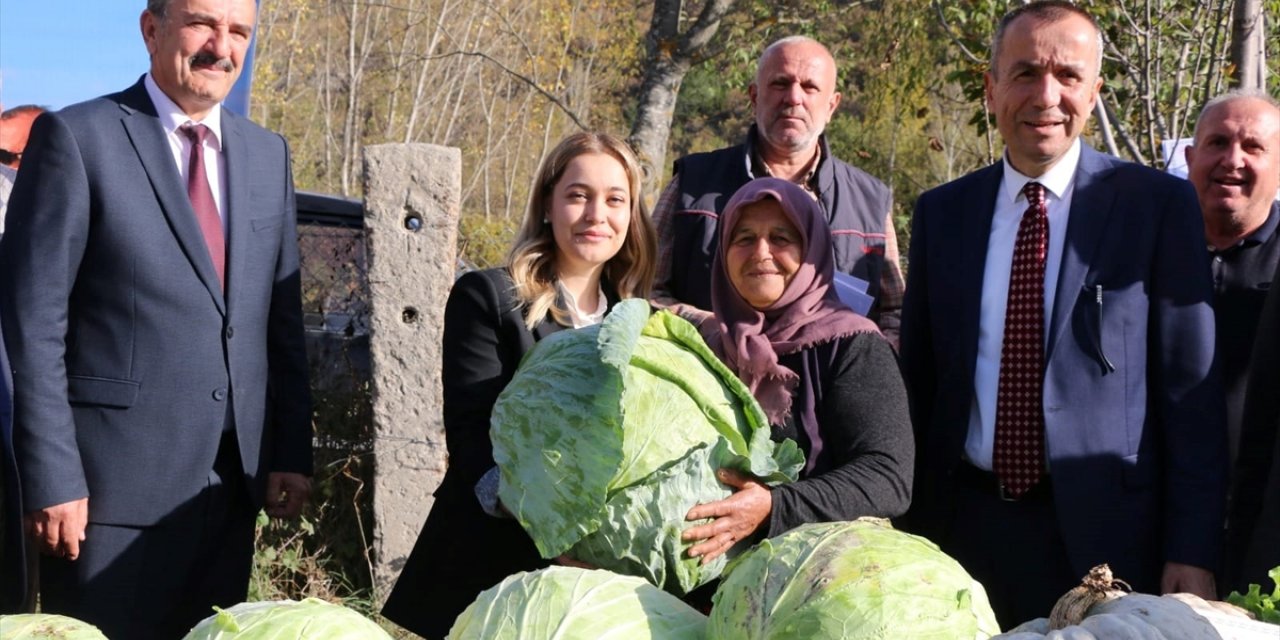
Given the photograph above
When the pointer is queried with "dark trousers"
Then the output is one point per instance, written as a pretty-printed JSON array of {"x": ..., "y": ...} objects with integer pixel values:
[
  {"x": 1014, "y": 549},
  {"x": 143, "y": 583}
]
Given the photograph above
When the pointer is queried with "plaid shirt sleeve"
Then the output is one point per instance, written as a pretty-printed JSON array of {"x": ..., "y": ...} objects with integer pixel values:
[
  {"x": 663, "y": 213},
  {"x": 892, "y": 284}
]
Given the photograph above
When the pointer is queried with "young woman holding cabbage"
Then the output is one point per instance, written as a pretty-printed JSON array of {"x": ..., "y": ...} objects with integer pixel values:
[
  {"x": 586, "y": 242},
  {"x": 824, "y": 375}
]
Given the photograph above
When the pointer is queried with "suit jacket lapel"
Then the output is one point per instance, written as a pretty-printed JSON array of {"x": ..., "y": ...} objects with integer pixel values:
[
  {"x": 237, "y": 211},
  {"x": 976, "y": 214},
  {"x": 150, "y": 143},
  {"x": 1091, "y": 205}
]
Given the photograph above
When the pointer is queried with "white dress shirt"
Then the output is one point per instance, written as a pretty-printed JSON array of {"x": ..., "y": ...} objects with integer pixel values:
[
  {"x": 171, "y": 118},
  {"x": 1058, "y": 182},
  {"x": 581, "y": 318}
]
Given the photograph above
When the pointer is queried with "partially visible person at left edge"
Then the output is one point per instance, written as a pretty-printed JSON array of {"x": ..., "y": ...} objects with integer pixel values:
[
  {"x": 14, "y": 587},
  {"x": 149, "y": 291},
  {"x": 1058, "y": 347},
  {"x": 15, "y": 127}
]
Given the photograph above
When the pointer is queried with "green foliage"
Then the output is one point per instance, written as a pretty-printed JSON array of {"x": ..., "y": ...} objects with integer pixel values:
[
  {"x": 484, "y": 241},
  {"x": 1265, "y": 606}
]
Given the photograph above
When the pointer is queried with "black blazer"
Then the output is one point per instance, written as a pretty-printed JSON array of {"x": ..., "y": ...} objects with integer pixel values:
[
  {"x": 461, "y": 550},
  {"x": 1255, "y": 504},
  {"x": 13, "y": 560}
]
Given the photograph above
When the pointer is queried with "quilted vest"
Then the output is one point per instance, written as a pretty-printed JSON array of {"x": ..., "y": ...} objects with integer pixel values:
[{"x": 854, "y": 202}]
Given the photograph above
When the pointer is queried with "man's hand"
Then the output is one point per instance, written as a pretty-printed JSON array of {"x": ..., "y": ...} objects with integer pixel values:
[
  {"x": 59, "y": 530},
  {"x": 286, "y": 493},
  {"x": 1184, "y": 578},
  {"x": 733, "y": 519}
]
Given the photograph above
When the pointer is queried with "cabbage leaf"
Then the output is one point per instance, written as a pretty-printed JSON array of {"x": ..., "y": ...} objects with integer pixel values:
[
  {"x": 857, "y": 580},
  {"x": 577, "y": 604},
  {"x": 608, "y": 435}
]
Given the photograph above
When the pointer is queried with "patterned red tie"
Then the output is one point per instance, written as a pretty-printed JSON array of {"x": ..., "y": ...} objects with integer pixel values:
[
  {"x": 201, "y": 195},
  {"x": 1018, "y": 455}
]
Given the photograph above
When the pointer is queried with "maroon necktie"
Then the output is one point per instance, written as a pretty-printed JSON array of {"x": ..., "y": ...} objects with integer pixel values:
[
  {"x": 201, "y": 195},
  {"x": 1018, "y": 455}
]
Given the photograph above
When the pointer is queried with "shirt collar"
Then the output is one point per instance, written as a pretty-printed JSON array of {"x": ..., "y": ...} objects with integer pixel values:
[
  {"x": 810, "y": 178},
  {"x": 1056, "y": 180},
  {"x": 172, "y": 116},
  {"x": 1259, "y": 235},
  {"x": 576, "y": 316}
]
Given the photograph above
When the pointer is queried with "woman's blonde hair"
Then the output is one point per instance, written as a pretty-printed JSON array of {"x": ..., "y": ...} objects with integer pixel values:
[{"x": 532, "y": 260}]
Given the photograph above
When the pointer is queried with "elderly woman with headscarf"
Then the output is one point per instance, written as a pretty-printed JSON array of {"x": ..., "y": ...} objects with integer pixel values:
[{"x": 824, "y": 375}]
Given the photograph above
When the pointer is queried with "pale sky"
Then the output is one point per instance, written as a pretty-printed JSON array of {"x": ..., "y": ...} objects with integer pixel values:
[{"x": 59, "y": 52}]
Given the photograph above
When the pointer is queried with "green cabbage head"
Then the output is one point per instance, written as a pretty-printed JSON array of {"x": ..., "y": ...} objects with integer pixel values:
[
  {"x": 46, "y": 626},
  {"x": 852, "y": 581},
  {"x": 567, "y": 603},
  {"x": 608, "y": 435},
  {"x": 311, "y": 619}
]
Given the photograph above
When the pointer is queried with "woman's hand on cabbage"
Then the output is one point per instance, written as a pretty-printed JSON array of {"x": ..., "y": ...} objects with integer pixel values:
[{"x": 733, "y": 519}]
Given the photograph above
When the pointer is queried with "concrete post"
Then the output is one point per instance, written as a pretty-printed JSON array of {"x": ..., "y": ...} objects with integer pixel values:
[{"x": 412, "y": 195}]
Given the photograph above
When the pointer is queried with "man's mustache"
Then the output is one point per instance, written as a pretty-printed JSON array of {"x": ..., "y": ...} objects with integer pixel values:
[{"x": 206, "y": 59}]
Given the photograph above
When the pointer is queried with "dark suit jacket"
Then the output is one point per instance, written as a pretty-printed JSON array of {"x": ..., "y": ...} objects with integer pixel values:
[
  {"x": 1133, "y": 403},
  {"x": 13, "y": 561},
  {"x": 461, "y": 550},
  {"x": 1253, "y": 528},
  {"x": 128, "y": 358}
]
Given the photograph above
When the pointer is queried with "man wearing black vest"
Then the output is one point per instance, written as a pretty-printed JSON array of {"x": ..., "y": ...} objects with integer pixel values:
[{"x": 793, "y": 96}]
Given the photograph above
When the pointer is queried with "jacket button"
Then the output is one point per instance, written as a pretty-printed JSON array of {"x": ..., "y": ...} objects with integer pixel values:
[
  {"x": 231, "y": 332},
  {"x": 219, "y": 394}
]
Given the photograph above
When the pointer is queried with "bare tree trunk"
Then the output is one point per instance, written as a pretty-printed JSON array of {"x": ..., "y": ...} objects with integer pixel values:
[
  {"x": 669, "y": 54},
  {"x": 1248, "y": 45}
]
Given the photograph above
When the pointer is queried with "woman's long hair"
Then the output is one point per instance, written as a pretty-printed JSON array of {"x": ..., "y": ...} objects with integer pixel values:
[{"x": 532, "y": 260}]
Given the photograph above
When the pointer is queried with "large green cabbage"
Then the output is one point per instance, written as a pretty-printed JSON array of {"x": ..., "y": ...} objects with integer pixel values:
[
  {"x": 608, "y": 435},
  {"x": 851, "y": 581},
  {"x": 310, "y": 619},
  {"x": 565, "y": 603},
  {"x": 46, "y": 626}
]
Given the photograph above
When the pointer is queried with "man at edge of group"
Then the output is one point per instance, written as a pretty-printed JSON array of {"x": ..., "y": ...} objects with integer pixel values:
[
  {"x": 1237, "y": 152},
  {"x": 149, "y": 290},
  {"x": 1234, "y": 164},
  {"x": 1058, "y": 348},
  {"x": 794, "y": 96}
]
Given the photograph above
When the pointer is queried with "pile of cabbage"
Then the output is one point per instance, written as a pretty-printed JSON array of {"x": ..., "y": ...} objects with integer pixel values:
[
  {"x": 608, "y": 435},
  {"x": 46, "y": 626},
  {"x": 310, "y": 619}
]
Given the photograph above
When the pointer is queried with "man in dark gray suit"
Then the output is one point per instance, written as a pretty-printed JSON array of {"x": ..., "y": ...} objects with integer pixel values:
[{"x": 149, "y": 293}]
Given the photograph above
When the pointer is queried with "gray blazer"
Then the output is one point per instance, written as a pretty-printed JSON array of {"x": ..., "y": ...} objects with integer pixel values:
[{"x": 128, "y": 360}]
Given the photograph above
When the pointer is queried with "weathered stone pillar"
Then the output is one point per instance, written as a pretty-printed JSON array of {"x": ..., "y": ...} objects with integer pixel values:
[{"x": 412, "y": 195}]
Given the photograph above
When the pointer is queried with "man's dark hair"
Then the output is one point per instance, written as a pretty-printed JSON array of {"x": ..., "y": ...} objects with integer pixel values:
[
  {"x": 158, "y": 8},
  {"x": 26, "y": 109},
  {"x": 1043, "y": 11}
]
